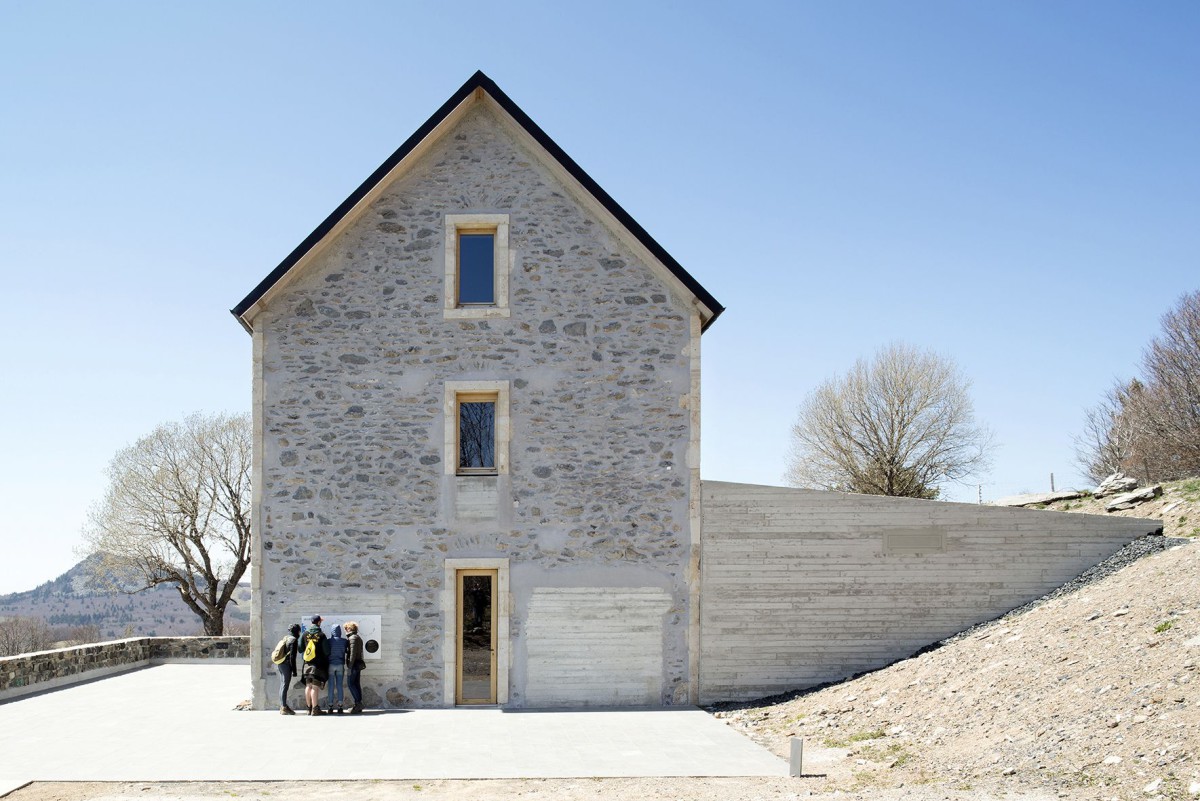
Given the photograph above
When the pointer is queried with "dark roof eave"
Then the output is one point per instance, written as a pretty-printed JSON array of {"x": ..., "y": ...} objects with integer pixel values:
[{"x": 481, "y": 81}]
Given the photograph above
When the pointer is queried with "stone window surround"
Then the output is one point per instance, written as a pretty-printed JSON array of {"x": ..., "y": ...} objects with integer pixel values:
[
  {"x": 503, "y": 424},
  {"x": 450, "y": 629},
  {"x": 477, "y": 222}
]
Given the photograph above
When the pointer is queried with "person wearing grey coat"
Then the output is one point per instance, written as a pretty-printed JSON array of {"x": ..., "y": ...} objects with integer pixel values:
[{"x": 287, "y": 668}]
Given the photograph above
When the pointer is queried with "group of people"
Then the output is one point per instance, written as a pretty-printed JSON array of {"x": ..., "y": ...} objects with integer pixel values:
[{"x": 326, "y": 661}]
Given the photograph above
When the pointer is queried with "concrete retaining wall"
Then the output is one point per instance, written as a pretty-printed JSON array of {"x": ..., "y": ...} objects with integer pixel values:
[
  {"x": 45, "y": 670},
  {"x": 802, "y": 587}
]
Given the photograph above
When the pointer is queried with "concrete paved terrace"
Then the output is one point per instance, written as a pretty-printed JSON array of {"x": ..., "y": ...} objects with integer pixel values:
[{"x": 178, "y": 723}]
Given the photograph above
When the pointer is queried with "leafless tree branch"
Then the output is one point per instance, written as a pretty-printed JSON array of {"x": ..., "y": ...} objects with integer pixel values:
[
  {"x": 1150, "y": 427},
  {"x": 902, "y": 424},
  {"x": 177, "y": 511}
]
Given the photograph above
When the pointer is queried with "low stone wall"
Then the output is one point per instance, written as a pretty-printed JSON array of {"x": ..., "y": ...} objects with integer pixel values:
[
  {"x": 165, "y": 650},
  {"x": 46, "y": 670}
]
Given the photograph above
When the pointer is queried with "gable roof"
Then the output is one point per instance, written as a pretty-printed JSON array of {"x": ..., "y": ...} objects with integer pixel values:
[{"x": 482, "y": 83}]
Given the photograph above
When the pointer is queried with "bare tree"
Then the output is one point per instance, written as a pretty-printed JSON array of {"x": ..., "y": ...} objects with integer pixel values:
[
  {"x": 1170, "y": 407},
  {"x": 1150, "y": 427},
  {"x": 23, "y": 635},
  {"x": 902, "y": 424},
  {"x": 177, "y": 511},
  {"x": 1107, "y": 441},
  {"x": 65, "y": 636}
]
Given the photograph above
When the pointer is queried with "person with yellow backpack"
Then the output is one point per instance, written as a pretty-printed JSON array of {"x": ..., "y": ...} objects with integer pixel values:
[
  {"x": 314, "y": 645},
  {"x": 284, "y": 657}
]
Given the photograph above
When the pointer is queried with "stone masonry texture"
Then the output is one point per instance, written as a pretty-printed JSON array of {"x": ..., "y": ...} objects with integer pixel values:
[
  {"x": 359, "y": 514},
  {"x": 17, "y": 673}
]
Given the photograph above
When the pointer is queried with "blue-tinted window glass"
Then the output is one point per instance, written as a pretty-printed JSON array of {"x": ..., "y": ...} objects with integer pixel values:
[
  {"x": 477, "y": 435},
  {"x": 476, "y": 265}
]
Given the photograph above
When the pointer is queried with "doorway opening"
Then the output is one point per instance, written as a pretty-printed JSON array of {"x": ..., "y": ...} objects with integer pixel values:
[
  {"x": 475, "y": 637},
  {"x": 475, "y": 634}
]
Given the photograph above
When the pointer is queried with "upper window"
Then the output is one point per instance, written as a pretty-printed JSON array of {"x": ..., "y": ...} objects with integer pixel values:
[
  {"x": 476, "y": 268},
  {"x": 477, "y": 428},
  {"x": 476, "y": 433},
  {"x": 477, "y": 265}
]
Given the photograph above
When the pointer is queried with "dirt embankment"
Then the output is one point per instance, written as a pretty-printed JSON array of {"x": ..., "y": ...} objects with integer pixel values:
[
  {"x": 1094, "y": 694},
  {"x": 1178, "y": 507}
]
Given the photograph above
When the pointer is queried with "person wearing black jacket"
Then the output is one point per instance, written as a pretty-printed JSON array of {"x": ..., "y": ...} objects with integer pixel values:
[
  {"x": 287, "y": 668},
  {"x": 316, "y": 670},
  {"x": 354, "y": 665}
]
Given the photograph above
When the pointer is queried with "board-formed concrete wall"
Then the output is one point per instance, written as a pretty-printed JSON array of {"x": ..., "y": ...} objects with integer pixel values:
[
  {"x": 359, "y": 513},
  {"x": 595, "y": 643},
  {"x": 801, "y": 587}
]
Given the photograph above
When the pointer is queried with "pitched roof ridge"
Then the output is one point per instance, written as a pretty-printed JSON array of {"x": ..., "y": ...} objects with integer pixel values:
[{"x": 479, "y": 80}]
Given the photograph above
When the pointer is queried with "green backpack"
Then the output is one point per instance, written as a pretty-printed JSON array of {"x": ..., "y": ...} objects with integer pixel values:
[{"x": 280, "y": 653}]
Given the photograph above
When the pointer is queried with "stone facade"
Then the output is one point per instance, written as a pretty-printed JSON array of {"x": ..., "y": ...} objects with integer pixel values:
[
  {"x": 43, "y": 670},
  {"x": 358, "y": 513}
]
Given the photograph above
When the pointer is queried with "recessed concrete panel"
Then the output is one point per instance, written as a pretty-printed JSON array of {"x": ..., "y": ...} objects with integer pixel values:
[
  {"x": 914, "y": 541},
  {"x": 595, "y": 646}
]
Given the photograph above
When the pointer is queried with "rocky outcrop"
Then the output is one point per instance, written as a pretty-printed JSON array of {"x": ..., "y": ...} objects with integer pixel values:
[
  {"x": 1036, "y": 498},
  {"x": 1132, "y": 499},
  {"x": 1115, "y": 484}
]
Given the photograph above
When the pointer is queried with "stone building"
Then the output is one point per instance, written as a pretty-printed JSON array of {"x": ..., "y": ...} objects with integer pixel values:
[
  {"x": 476, "y": 406},
  {"x": 476, "y": 399}
]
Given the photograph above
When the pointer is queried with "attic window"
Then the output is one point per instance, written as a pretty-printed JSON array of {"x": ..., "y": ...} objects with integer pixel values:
[{"x": 477, "y": 266}]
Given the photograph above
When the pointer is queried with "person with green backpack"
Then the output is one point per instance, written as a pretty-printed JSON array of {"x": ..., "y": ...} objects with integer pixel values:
[
  {"x": 284, "y": 657},
  {"x": 315, "y": 647}
]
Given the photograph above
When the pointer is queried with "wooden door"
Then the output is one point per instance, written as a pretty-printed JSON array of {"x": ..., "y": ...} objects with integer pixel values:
[{"x": 475, "y": 638}]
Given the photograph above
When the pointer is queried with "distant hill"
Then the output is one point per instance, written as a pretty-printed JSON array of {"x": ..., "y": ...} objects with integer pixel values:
[{"x": 69, "y": 601}]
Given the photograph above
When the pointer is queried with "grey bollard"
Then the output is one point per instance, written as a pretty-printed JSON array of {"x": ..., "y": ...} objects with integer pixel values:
[{"x": 797, "y": 764}]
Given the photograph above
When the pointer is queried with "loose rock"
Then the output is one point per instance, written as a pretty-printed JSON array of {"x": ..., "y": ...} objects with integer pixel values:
[
  {"x": 1115, "y": 484},
  {"x": 1131, "y": 499},
  {"x": 1033, "y": 499}
]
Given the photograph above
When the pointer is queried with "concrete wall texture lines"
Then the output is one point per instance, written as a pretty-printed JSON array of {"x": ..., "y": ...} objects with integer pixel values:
[{"x": 794, "y": 604}]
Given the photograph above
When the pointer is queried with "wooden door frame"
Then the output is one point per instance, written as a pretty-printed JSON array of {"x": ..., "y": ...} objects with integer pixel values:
[
  {"x": 459, "y": 576},
  {"x": 501, "y": 604}
]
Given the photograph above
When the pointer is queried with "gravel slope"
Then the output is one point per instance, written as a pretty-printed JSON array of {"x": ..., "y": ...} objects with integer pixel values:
[{"x": 1091, "y": 692}]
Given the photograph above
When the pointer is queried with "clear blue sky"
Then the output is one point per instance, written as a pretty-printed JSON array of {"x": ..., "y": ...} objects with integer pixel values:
[{"x": 1014, "y": 184}]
